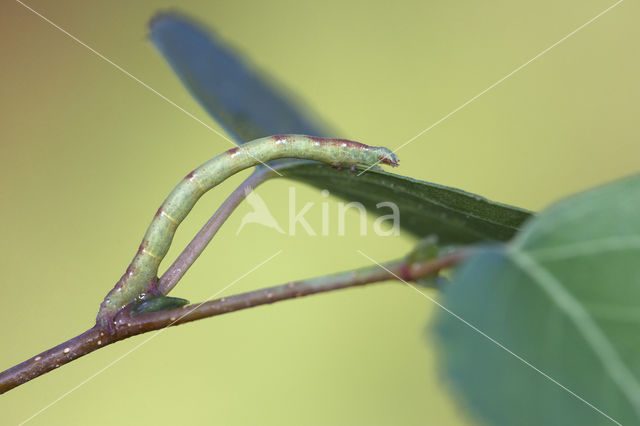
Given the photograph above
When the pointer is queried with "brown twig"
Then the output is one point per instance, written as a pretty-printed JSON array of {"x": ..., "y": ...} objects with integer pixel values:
[
  {"x": 127, "y": 325},
  {"x": 189, "y": 255}
]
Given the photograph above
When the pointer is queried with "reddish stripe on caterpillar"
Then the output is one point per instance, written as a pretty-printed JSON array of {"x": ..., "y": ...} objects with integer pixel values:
[{"x": 138, "y": 282}]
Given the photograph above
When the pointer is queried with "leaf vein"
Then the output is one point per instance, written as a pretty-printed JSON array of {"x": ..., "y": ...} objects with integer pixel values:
[{"x": 621, "y": 375}]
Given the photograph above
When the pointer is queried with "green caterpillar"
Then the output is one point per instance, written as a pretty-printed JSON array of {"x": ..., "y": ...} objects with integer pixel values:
[{"x": 140, "y": 278}]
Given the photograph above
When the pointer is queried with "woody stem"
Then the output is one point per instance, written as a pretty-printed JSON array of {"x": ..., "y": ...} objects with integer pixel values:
[
  {"x": 189, "y": 255},
  {"x": 95, "y": 338}
]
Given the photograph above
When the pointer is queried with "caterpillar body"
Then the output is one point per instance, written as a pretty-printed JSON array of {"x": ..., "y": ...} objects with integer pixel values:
[{"x": 141, "y": 275}]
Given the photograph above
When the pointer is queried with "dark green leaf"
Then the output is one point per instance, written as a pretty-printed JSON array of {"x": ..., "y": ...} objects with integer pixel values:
[
  {"x": 454, "y": 216},
  {"x": 249, "y": 105},
  {"x": 158, "y": 303},
  {"x": 565, "y": 296}
]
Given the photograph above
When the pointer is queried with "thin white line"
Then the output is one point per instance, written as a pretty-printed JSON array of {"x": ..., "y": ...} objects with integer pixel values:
[
  {"x": 499, "y": 81},
  {"x": 603, "y": 348},
  {"x": 88, "y": 379},
  {"x": 127, "y": 73},
  {"x": 500, "y": 345}
]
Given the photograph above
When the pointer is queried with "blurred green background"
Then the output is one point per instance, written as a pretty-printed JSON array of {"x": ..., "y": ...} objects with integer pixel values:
[{"x": 88, "y": 154}]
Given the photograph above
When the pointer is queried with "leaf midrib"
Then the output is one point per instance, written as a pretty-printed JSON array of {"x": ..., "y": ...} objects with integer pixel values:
[
  {"x": 455, "y": 210},
  {"x": 619, "y": 372}
]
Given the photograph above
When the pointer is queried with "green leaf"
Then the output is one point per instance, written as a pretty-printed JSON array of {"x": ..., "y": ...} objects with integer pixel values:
[
  {"x": 246, "y": 102},
  {"x": 250, "y": 105},
  {"x": 565, "y": 297},
  {"x": 157, "y": 303},
  {"x": 454, "y": 216}
]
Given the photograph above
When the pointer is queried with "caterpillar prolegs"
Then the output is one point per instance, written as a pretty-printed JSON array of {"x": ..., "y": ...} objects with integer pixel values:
[{"x": 141, "y": 275}]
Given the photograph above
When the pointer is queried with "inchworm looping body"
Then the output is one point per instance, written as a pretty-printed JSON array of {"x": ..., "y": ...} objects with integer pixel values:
[{"x": 141, "y": 275}]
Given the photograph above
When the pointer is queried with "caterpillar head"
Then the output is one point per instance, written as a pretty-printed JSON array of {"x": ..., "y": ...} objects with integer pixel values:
[{"x": 386, "y": 156}]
